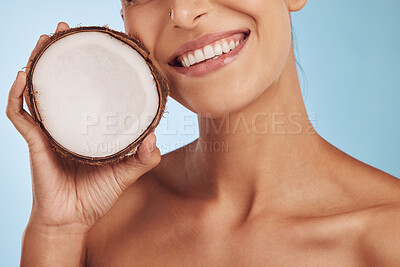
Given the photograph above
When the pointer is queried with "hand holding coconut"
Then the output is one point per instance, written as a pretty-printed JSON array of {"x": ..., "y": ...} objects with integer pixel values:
[{"x": 68, "y": 195}]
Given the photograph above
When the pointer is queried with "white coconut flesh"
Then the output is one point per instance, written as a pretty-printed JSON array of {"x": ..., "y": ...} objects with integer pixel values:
[{"x": 95, "y": 94}]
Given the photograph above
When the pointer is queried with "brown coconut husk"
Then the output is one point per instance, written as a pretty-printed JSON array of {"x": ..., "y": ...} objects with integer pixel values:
[{"x": 162, "y": 87}]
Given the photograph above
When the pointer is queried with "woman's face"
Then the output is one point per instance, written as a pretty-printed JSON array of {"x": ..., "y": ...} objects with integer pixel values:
[{"x": 247, "y": 44}]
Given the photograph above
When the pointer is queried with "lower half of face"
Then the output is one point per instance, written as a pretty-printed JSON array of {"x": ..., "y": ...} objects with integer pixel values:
[{"x": 232, "y": 71}]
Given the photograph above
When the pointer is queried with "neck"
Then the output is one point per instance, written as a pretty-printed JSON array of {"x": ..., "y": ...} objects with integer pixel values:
[{"x": 262, "y": 149}]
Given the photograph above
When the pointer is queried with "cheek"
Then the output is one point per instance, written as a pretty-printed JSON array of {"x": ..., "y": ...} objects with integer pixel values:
[
  {"x": 271, "y": 27},
  {"x": 273, "y": 34},
  {"x": 269, "y": 48},
  {"x": 146, "y": 23}
]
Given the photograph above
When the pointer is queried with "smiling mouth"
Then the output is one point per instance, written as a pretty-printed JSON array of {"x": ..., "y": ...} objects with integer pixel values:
[{"x": 209, "y": 52}]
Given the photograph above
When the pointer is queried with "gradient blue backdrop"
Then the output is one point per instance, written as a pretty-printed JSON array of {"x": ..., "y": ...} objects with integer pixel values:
[{"x": 348, "y": 50}]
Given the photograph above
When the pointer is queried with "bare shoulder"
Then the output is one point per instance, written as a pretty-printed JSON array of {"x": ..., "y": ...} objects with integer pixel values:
[
  {"x": 381, "y": 240},
  {"x": 366, "y": 185},
  {"x": 367, "y": 227},
  {"x": 361, "y": 215},
  {"x": 374, "y": 210}
]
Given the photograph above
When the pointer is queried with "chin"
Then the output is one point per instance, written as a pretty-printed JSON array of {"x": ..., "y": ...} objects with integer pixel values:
[{"x": 218, "y": 101}]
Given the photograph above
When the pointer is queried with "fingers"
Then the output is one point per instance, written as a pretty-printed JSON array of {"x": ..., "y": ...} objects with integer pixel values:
[
  {"x": 22, "y": 121},
  {"x": 42, "y": 39},
  {"x": 19, "y": 117},
  {"x": 62, "y": 26}
]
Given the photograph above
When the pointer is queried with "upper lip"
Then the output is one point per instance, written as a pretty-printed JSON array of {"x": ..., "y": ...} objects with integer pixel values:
[{"x": 203, "y": 41}]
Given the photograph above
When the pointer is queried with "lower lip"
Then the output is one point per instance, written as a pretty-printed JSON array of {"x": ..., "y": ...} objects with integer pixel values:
[{"x": 213, "y": 65}]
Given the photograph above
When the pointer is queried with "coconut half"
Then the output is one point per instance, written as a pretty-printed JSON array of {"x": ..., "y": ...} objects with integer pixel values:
[{"x": 95, "y": 93}]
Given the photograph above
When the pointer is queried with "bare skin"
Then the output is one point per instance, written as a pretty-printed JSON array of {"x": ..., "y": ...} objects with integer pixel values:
[{"x": 282, "y": 197}]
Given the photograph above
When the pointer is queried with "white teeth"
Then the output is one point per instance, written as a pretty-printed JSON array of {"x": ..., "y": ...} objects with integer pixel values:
[
  {"x": 192, "y": 60},
  {"x": 232, "y": 44},
  {"x": 212, "y": 58},
  {"x": 183, "y": 63},
  {"x": 225, "y": 47},
  {"x": 199, "y": 56},
  {"x": 208, "y": 52},
  {"x": 186, "y": 61},
  {"x": 218, "y": 49}
]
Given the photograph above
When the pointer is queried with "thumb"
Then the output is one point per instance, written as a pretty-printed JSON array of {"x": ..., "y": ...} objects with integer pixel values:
[
  {"x": 146, "y": 150},
  {"x": 146, "y": 158}
]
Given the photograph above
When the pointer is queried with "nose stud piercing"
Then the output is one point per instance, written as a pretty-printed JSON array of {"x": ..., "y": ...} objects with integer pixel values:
[{"x": 169, "y": 13}]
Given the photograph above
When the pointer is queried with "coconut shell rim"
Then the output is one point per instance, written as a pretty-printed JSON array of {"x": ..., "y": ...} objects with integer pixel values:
[{"x": 130, "y": 150}]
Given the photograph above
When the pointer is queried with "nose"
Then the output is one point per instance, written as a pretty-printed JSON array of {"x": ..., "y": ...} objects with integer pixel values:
[{"x": 187, "y": 14}]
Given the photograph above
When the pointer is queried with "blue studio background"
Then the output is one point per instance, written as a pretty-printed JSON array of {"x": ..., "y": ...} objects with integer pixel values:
[{"x": 348, "y": 51}]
